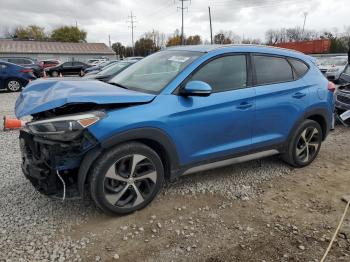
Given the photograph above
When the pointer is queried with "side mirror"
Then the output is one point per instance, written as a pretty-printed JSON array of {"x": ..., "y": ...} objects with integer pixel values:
[{"x": 196, "y": 88}]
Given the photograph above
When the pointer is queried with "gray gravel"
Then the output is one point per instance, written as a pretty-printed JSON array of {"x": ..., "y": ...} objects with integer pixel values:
[{"x": 32, "y": 227}]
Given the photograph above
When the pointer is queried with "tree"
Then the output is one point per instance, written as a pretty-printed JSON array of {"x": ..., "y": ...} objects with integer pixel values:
[
  {"x": 68, "y": 34},
  {"x": 226, "y": 37},
  {"x": 31, "y": 32},
  {"x": 175, "y": 39},
  {"x": 144, "y": 46},
  {"x": 119, "y": 49},
  {"x": 193, "y": 40}
]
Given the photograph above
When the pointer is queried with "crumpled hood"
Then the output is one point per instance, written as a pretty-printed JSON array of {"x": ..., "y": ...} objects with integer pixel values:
[{"x": 45, "y": 94}]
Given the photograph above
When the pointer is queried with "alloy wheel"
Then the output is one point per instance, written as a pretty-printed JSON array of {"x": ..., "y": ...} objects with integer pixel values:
[
  {"x": 130, "y": 181},
  {"x": 308, "y": 144},
  {"x": 14, "y": 85}
]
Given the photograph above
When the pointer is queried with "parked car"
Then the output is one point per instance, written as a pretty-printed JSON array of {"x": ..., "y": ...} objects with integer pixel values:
[
  {"x": 27, "y": 63},
  {"x": 175, "y": 112},
  {"x": 93, "y": 62},
  {"x": 342, "y": 95},
  {"x": 67, "y": 68},
  {"x": 110, "y": 71},
  {"x": 332, "y": 67},
  {"x": 98, "y": 67},
  {"x": 14, "y": 77},
  {"x": 50, "y": 63}
]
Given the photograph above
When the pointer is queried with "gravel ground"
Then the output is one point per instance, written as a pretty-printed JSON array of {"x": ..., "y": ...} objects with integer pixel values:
[{"x": 35, "y": 228}]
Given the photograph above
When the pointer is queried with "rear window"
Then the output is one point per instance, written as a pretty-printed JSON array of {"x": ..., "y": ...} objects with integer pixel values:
[
  {"x": 270, "y": 70},
  {"x": 300, "y": 67}
]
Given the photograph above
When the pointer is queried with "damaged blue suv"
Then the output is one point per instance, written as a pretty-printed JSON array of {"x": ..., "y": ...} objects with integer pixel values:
[{"x": 176, "y": 112}]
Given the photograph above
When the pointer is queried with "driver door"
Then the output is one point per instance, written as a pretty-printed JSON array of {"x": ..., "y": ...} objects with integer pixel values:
[{"x": 220, "y": 124}]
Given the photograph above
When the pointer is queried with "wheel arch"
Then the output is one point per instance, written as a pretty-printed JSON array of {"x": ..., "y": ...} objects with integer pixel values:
[
  {"x": 155, "y": 138},
  {"x": 320, "y": 115}
]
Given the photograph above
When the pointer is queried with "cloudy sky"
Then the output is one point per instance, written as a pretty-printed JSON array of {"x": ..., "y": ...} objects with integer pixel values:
[{"x": 248, "y": 18}]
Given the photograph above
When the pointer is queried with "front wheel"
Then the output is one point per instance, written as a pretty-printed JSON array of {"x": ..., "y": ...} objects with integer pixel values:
[
  {"x": 14, "y": 85},
  {"x": 126, "y": 178},
  {"x": 54, "y": 74},
  {"x": 304, "y": 145}
]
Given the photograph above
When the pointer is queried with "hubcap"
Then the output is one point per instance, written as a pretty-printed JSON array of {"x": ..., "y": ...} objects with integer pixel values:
[
  {"x": 14, "y": 85},
  {"x": 308, "y": 144},
  {"x": 130, "y": 181}
]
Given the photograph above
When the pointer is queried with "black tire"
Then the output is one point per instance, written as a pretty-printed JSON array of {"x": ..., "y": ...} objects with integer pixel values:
[
  {"x": 54, "y": 73},
  {"x": 299, "y": 155},
  {"x": 14, "y": 85},
  {"x": 120, "y": 159}
]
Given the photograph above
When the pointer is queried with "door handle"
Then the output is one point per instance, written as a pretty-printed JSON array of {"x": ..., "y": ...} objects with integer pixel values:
[
  {"x": 299, "y": 95},
  {"x": 244, "y": 105}
]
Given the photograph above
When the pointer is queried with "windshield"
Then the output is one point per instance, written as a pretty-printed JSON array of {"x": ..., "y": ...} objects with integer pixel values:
[
  {"x": 335, "y": 61},
  {"x": 113, "y": 69},
  {"x": 154, "y": 72}
]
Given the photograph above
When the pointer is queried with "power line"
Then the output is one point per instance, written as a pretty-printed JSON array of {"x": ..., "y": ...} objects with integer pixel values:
[
  {"x": 182, "y": 8},
  {"x": 132, "y": 26}
]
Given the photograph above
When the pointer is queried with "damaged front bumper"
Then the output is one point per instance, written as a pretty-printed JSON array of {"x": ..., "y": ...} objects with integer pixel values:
[{"x": 43, "y": 158}]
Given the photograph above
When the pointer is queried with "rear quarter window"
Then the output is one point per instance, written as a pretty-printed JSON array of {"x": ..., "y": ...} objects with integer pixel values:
[
  {"x": 300, "y": 68},
  {"x": 271, "y": 69}
]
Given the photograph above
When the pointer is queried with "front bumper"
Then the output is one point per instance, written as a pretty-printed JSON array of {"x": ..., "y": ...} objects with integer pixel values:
[{"x": 42, "y": 158}]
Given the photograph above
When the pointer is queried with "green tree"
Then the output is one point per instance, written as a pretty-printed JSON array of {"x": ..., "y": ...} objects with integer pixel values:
[
  {"x": 68, "y": 34},
  {"x": 31, "y": 32},
  {"x": 119, "y": 49},
  {"x": 144, "y": 46}
]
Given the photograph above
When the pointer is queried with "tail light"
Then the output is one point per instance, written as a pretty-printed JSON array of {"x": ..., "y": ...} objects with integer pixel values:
[
  {"x": 331, "y": 87},
  {"x": 26, "y": 70}
]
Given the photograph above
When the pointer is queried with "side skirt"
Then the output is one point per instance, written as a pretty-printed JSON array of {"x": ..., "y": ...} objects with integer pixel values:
[{"x": 231, "y": 161}]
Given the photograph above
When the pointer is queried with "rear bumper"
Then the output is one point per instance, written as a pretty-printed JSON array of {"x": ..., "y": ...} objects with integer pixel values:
[{"x": 41, "y": 159}]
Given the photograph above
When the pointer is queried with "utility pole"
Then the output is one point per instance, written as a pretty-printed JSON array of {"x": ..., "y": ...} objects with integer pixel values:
[
  {"x": 109, "y": 41},
  {"x": 211, "y": 29},
  {"x": 132, "y": 26},
  {"x": 182, "y": 8},
  {"x": 305, "y": 15}
]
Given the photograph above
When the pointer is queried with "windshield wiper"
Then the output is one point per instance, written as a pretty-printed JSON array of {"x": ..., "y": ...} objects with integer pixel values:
[{"x": 116, "y": 84}]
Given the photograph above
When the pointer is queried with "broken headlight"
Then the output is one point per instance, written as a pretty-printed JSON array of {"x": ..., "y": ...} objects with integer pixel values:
[{"x": 65, "y": 128}]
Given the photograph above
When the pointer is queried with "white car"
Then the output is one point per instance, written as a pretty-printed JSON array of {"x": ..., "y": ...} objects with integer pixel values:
[{"x": 332, "y": 67}]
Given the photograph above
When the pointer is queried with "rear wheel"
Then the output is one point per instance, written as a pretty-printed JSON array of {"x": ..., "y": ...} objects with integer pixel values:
[
  {"x": 126, "y": 178},
  {"x": 305, "y": 144},
  {"x": 14, "y": 85}
]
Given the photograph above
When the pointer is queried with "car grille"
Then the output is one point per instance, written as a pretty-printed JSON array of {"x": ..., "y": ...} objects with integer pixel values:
[{"x": 343, "y": 99}]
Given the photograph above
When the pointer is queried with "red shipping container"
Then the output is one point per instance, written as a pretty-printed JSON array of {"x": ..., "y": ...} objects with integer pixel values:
[{"x": 308, "y": 47}]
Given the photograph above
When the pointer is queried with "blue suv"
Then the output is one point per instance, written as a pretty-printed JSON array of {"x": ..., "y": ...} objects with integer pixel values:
[{"x": 176, "y": 112}]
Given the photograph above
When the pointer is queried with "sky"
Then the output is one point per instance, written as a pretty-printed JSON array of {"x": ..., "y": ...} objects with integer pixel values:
[{"x": 246, "y": 18}]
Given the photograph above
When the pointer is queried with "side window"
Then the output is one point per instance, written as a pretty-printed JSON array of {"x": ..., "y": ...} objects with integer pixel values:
[
  {"x": 347, "y": 70},
  {"x": 26, "y": 62},
  {"x": 13, "y": 60},
  {"x": 270, "y": 69},
  {"x": 67, "y": 64},
  {"x": 300, "y": 67},
  {"x": 224, "y": 73}
]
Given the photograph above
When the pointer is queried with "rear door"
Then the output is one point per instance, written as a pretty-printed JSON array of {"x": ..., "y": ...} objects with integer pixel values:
[{"x": 281, "y": 97}]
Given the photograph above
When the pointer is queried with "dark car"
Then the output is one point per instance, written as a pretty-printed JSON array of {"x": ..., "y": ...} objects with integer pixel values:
[
  {"x": 342, "y": 95},
  {"x": 99, "y": 67},
  {"x": 27, "y": 63},
  {"x": 110, "y": 71},
  {"x": 14, "y": 77},
  {"x": 67, "y": 68}
]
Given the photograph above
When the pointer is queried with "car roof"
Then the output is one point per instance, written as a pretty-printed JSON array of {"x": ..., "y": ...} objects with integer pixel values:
[
  {"x": 10, "y": 64},
  {"x": 238, "y": 48}
]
